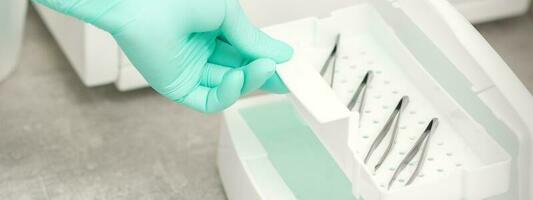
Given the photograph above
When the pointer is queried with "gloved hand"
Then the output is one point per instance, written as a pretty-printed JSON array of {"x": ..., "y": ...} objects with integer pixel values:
[{"x": 201, "y": 53}]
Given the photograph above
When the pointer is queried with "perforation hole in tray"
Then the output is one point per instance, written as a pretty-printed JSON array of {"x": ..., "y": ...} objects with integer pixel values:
[{"x": 386, "y": 88}]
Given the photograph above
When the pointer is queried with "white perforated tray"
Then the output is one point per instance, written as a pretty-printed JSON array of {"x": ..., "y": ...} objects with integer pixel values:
[{"x": 448, "y": 151}]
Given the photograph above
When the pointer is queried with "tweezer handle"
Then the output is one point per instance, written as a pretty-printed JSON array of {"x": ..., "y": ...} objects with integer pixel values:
[
  {"x": 332, "y": 56},
  {"x": 434, "y": 123},
  {"x": 362, "y": 87},
  {"x": 422, "y": 142},
  {"x": 391, "y": 143},
  {"x": 381, "y": 135},
  {"x": 394, "y": 115}
]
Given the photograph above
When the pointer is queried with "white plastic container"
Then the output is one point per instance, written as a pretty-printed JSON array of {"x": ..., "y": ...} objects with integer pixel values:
[
  {"x": 12, "y": 16},
  {"x": 421, "y": 48}
]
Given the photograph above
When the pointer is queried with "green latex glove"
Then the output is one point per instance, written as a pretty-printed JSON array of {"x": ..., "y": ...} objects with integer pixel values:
[{"x": 202, "y": 53}]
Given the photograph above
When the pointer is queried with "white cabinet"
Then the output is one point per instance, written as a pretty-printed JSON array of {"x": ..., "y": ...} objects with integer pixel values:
[
  {"x": 97, "y": 59},
  {"x": 12, "y": 15},
  {"x": 92, "y": 52},
  {"x": 486, "y": 10}
]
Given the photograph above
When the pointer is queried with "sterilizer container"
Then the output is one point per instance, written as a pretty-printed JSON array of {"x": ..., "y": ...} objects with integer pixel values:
[{"x": 309, "y": 145}]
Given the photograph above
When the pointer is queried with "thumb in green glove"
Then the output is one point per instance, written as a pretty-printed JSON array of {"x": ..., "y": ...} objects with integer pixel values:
[{"x": 202, "y": 53}]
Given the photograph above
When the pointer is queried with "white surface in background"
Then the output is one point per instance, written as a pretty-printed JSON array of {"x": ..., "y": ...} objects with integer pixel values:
[
  {"x": 12, "y": 16},
  {"x": 270, "y": 12}
]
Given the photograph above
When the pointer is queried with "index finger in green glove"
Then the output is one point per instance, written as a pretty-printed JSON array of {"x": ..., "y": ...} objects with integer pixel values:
[{"x": 254, "y": 43}]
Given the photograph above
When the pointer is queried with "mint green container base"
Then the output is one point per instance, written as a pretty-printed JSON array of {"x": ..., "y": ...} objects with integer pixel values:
[{"x": 296, "y": 153}]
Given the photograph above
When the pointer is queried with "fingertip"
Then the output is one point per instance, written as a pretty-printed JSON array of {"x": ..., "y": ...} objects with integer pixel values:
[
  {"x": 274, "y": 49},
  {"x": 230, "y": 88},
  {"x": 285, "y": 52},
  {"x": 228, "y": 92},
  {"x": 257, "y": 73}
]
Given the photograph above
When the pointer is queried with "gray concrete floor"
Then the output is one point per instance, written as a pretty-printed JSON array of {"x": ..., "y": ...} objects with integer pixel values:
[
  {"x": 513, "y": 40},
  {"x": 61, "y": 140}
]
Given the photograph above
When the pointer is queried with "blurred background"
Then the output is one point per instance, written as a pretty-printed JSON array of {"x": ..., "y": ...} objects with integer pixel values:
[{"x": 77, "y": 121}]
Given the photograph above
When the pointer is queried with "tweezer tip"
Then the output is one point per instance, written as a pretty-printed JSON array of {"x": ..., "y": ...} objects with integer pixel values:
[
  {"x": 369, "y": 75},
  {"x": 377, "y": 167},
  {"x": 432, "y": 124},
  {"x": 367, "y": 157},
  {"x": 405, "y": 100},
  {"x": 408, "y": 183},
  {"x": 435, "y": 120}
]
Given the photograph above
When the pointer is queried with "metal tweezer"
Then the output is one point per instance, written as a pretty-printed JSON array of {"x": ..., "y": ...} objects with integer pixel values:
[
  {"x": 361, "y": 91},
  {"x": 421, "y": 145},
  {"x": 394, "y": 118},
  {"x": 332, "y": 60}
]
